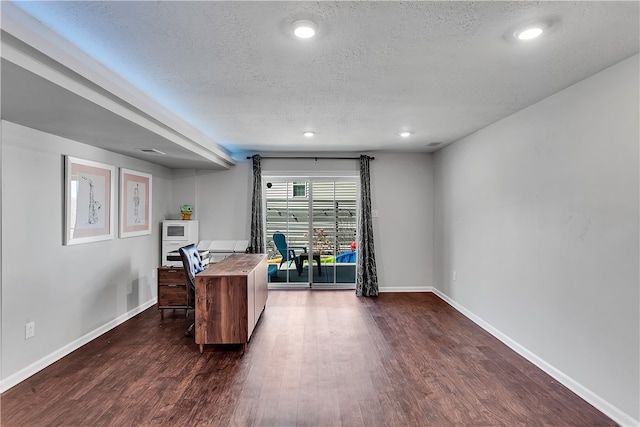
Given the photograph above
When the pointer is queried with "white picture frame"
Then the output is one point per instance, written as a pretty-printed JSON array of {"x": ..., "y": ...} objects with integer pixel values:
[
  {"x": 135, "y": 203},
  {"x": 89, "y": 201}
]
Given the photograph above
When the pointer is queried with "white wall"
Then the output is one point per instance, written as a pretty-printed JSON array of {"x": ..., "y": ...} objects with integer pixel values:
[
  {"x": 183, "y": 191},
  {"x": 538, "y": 215},
  {"x": 73, "y": 292},
  {"x": 224, "y": 203},
  {"x": 402, "y": 187}
]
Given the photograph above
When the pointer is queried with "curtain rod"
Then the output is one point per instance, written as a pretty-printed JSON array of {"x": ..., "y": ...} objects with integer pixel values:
[{"x": 314, "y": 158}]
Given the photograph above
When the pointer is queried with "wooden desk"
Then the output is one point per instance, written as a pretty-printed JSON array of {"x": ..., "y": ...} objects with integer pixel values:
[{"x": 230, "y": 297}]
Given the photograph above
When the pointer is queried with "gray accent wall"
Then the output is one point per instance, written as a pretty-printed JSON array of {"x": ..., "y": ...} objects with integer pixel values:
[
  {"x": 73, "y": 292},
  {"x": 402, "y": 188},
  {"x": 538, "y": 216}
]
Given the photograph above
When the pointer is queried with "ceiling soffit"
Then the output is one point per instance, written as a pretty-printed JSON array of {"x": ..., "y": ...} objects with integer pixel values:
[{"x": 85, "y": 85}]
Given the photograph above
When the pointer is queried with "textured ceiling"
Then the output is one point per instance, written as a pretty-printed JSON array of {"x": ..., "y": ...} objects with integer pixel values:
[{"x": 442, "y": 70}]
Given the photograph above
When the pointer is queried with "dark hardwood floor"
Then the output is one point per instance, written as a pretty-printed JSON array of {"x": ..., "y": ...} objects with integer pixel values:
[{"x": 317, "y": 358}]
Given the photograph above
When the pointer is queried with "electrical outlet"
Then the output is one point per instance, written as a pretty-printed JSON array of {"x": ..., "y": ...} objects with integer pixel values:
[
  {"x": 454, "y": 275},
  {"x": 29, "y": 330}
]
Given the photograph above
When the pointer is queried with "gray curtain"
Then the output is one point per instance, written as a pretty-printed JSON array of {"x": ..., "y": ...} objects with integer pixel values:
[
  {"x": 256, "y": 245},
  {"x": 367, "y": 279}
]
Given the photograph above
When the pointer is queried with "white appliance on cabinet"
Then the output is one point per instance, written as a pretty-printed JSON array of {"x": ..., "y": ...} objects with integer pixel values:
[{"x": 176, "y": 234}]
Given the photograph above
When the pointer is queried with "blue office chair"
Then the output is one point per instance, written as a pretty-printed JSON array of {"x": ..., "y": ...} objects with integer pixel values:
[
  {"x": 288, "y": 252},
  {"x": 192, "y": 264}
]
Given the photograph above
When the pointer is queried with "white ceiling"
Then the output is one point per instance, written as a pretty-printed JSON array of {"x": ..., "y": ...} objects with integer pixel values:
[{"x": 235, "y": 74}]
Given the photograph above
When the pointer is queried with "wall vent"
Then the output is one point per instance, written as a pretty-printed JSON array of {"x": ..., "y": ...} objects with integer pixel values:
[
  {"x": 434, "y": 144},
  {"x": 151, "y": 151}
]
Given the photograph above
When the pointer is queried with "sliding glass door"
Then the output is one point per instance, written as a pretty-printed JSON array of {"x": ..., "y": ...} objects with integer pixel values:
[
  {"x": 334, "y": 233},
  {"x": 287, "y": 228},
  {"x": 311, "y": 232}
]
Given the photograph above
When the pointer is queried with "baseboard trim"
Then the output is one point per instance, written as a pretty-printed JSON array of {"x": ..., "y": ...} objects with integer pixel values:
[
  {"x": 599, "y": 403},
  {"x": 39, "y": 365},
  {"x": 405, "y": 289}
]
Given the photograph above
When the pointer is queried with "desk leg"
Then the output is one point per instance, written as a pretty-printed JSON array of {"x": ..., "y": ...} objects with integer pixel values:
[
  {"x": 162, "y": 314},
  {"x": 201, "y": 348}
]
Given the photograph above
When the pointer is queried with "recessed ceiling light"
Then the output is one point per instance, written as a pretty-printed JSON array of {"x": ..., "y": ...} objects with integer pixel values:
[
  {"x": 529, "y": 33},
  {"x": 405, "y": 134},
  {"x": 304, "y": 29},
  {"x": 308, "y": 133}
]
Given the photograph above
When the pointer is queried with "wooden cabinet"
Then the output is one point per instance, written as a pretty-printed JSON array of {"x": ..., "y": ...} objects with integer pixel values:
[
  {"x": 230, "y": 297},
  {"x": 172, "y": 288}
]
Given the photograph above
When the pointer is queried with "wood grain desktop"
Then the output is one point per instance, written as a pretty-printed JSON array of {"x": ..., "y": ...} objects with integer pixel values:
[{"x": 316, "y": 358}]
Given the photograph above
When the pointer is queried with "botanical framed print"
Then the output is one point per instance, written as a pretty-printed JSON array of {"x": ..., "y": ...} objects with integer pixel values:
[
  {"x": 89, "y": 201},
  {"x": 135, "y": 203}
]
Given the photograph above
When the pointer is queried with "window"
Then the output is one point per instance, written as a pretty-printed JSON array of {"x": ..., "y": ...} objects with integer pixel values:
[{"x": 299, "y": 189}]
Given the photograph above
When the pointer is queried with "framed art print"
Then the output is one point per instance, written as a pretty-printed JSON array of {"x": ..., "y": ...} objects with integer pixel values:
[
  {"x": 89, "y": 201},
  {"x": 135, "y": 203}
]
